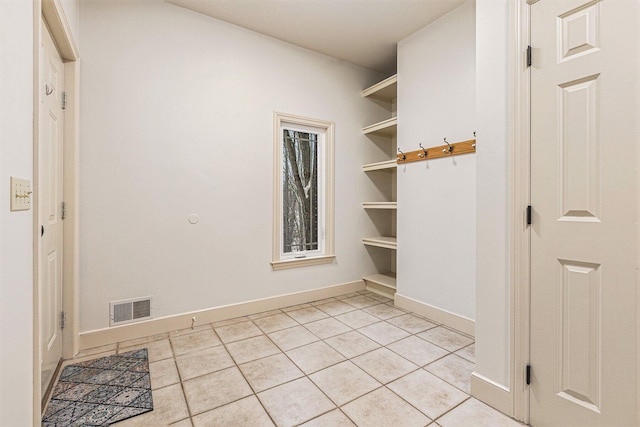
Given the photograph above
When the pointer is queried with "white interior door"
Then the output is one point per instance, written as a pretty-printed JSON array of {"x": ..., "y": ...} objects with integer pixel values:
[
  {"x": 50, "y": 205},
  {"x": 583, "y": 194}
]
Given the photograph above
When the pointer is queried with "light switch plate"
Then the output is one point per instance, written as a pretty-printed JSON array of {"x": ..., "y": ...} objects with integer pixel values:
[{"x": 20, "y": 194}]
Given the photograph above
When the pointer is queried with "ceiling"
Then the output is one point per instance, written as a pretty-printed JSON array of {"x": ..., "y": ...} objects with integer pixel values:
[{"x": 363, "y": 32}]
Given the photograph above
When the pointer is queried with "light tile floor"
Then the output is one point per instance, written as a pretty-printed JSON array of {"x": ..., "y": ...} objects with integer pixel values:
[{"x": 350, "y": 360}]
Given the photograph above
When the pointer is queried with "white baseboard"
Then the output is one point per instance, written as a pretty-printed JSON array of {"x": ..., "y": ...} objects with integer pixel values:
[
  {"x": 454, "y": 321},
  {"x": 161, "y": 325},
  {"x": 493, "y": 394}
]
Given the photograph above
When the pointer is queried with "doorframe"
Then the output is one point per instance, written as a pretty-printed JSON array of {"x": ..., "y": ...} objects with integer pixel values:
[
  {"x": 52, "y": 13},
  {"x": 520, "y": 198},
  {"x": 637, "y": 223}
]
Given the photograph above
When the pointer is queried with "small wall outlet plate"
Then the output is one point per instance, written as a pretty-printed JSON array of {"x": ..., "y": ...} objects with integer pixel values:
[{"x": 20, "y": 194}]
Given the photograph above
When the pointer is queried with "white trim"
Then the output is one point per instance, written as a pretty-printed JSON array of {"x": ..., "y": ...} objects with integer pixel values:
[
  {"x": 452, "y": 320},
  {"x": 37, "y": 353},
  {"x": 116, "y": 334},
  {"x": 637, "y": 223},
  {"x": 286, "y": 264},
  {"x": 519, "y": 231},
  {"x": 493, "y": 394},
  {"x": 71, "y": 224},
  {"x": 328, "y": 254},
  {"x": 60, "y": 30}
]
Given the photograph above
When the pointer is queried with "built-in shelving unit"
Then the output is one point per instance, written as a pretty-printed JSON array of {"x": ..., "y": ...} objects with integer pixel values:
[
  {"x": 381, "y": 283},
  {"x": 384, "y": 281},
  {"x": 387, "y": 127},
  {"x": 380, "y": 205},
  {"x": 387, "y": 165},
  {"x": 385, "y": 90},
  {"x": 381, "y": 242}
]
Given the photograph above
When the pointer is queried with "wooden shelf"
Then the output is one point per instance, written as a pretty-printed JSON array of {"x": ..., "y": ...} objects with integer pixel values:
[
  {"x": 384, "y": 128},
  {"x": 388, "y": 280},
  {"x": 380, "y": 205},
  {"x": 381, "y": 284},
  {"x": 387, "y": 165},
  {"x": 385, "y": 90},
  {"x": 381, "y": 242},
  {"x": 384, "y": 94}
]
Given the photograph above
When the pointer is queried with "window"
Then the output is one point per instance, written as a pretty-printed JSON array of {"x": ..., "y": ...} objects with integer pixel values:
[
  {"x": 303, "y": 189},
  {"x": 300, "y": 188}
]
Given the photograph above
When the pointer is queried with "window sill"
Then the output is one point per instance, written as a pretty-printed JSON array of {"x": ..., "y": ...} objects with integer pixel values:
[{"x": 302, "y": 262}]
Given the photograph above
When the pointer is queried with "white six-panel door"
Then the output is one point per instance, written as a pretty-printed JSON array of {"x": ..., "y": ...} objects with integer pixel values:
[
  {"x": 49, "y": 205},
  {"x": 583, "y": 194}
]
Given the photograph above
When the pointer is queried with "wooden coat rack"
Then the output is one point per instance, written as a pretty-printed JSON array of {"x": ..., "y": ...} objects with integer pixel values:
[{"x": 447, "y": 150}]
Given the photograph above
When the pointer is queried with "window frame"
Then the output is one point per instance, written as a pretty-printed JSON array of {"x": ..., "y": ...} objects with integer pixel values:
[{"x": 325, "y": 255}]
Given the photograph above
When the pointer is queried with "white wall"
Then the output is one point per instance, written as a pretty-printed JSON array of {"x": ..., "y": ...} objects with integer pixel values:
[
  {"x": 492, "y": 85},
  {"x": 72, "y": 13},
  {"x": 177, "y": 117},
  {"x": 16, "y": 259},
  {"x": 437, "y": 198}
]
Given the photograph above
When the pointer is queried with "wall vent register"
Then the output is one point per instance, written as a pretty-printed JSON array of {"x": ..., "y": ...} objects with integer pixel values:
[{"x": 128, "y": 311}]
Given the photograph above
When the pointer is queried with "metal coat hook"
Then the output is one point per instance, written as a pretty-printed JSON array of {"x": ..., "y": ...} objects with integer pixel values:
[
  {"x": 47, "y": 89},
  {"x": 449, "y": 148},
  {"x": 424, "y": 152}
]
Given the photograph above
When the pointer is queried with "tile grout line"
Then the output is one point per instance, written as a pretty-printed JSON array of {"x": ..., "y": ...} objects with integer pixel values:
[
  {"x": 307, "y": 375},
  {"x": 385, "y": 385},
  {"x": 315, "y": 385},
  {"x": 454, "y": 407},
  {"x": 191, "y": 415},
  {"x": 406, "y": 401},
  {"x": 184, "y": 393},
  {"x": 449, "y": 352},
  {"x": 222, "y": 344},
  {"x": 245, "y": 379},
  {"x": 304, "y": 374}
]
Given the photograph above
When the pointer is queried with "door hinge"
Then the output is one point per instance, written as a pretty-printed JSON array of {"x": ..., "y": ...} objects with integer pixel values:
[
  {"x": 528, "y": 375},
  {"x": 64, "y": 100},
  {"x": 529, "y": 56},
  {"x": 529, "y": 215},
  {"x": 63, "y": 210},
  {"x": 63, "y": 319}
]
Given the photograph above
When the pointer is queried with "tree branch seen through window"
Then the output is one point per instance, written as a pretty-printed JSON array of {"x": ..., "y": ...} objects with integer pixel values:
[{"x": 300, "y": 191}]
